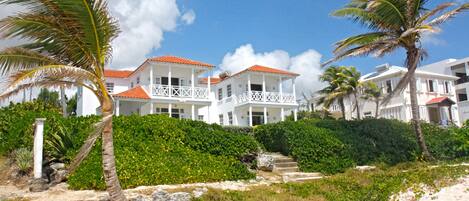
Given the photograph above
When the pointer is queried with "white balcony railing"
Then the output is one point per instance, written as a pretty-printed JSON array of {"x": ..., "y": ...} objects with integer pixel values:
[
  {"x": 180, "y": 91},
  {"x": 270, "y": 97}
]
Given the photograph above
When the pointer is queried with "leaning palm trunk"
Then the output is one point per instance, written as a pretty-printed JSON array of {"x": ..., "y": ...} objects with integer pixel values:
[
  {"x": 63, "y": 102},
  {"x": 109, "y": 163},
  {"x": 342, "y": 107},
  {"x": 377, "y": 108},
  {"x": 357, "y": 107},
  {"x": 412, "y": 60}
]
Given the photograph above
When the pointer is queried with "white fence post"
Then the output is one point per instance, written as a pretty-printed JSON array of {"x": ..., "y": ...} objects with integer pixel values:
[{"x": 38, "y": 147}]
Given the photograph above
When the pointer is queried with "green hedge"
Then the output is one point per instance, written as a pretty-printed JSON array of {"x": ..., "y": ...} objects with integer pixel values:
[
  {"x": 314, "y": 141},
  {"x": 315, "y": 149}
]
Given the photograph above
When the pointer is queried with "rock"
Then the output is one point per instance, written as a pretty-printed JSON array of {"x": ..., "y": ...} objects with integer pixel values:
[
  {"x": 38, "y": 185},
  {"x": 160, "y": 195},
  {"x": 198, "y": 192},
  {"x": 137, "y": 198},
  {"x": 58, "y": 176},
  {"x": 265, "y": 162},
  {"x": 180, "y": 196},
  {"x": 57, "y": 166},
  {"x": 365, "y": 168}
]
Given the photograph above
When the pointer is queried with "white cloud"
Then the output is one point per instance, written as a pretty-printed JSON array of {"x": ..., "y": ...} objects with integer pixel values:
[
  {"x": 143, "y": 24},
  {"x": 188, "y": 17},
  {"x": 431, "y": 38},
  {"x": 7, "y": 10},
  {"x": 307, "y": 64}
]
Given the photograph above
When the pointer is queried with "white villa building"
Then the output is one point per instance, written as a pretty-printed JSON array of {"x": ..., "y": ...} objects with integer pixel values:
[
  {"x": 435, "y": 92},
  {"x": 460, "y": 69},
  {"x": 183, "y": 88}
]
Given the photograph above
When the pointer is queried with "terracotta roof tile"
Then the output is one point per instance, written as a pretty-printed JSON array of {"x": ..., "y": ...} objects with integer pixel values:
[
  {"x": 117, "y": 73},
  {"x": 213, "y": 80},
  {"x": 265, "y": 69},
  {"x": 439, "y": 100},
  {"x": 180, "y": 60},
  {"x": 136, "y": 92}
]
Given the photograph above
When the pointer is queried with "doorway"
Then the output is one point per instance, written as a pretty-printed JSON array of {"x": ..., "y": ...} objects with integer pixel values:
[{"x": 434, "y": 115}]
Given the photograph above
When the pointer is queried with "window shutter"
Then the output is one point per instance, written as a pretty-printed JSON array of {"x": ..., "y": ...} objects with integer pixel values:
[
  {"x": 419, "y": 85},
  {"x": 435, "y": 85},
  {"x": 158, "y": 80}
]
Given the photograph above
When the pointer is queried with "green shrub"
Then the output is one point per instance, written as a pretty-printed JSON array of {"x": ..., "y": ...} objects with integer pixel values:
[
  {"x": 461, "y": 136},
  {"x": 315, "y": 149},
  {"x": 156, "y": 149},
  {"x": 23, "y": 159},
  {"x": 247, "y": 130}
]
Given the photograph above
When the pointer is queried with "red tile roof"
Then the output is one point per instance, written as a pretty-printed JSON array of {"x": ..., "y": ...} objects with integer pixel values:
[
  {"x": 213, "y": 80},
  {"x": 264, "y": 69},
  {"x": 117, "y": 73},
  {"x": 136, "y": 92},
  {"x": 440, "y": 100},
  {"x": 180, "y": 60}
]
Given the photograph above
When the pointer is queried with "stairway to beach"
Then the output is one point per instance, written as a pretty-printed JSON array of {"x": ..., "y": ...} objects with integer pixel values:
[{"x": 288, "y": 168}]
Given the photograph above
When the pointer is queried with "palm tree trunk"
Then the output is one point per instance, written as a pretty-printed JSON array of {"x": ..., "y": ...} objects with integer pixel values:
[
  {"x": 342, "y": 107},
  {"x": 109, "y": 164},
  {"x": 357, "y": 107},
  {"x": 377, "y": 109},
  {"x": 63, "y": 102},
  {"x": 412, "y": 59}
]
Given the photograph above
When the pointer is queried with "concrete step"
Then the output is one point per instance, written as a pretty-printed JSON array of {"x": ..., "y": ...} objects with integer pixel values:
[
  {"x": 286, "y": 169},
  {"x": 300, "y": 176},
  {"x": 283, "y": 160},
  {"x": 286, "y": 164}
]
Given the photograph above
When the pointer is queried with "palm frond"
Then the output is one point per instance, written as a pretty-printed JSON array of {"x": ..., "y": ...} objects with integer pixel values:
[
  {"x": 17, "y": 58},
  {"x": 445, "y": 17},
  {"x": 429, "y": 14}
]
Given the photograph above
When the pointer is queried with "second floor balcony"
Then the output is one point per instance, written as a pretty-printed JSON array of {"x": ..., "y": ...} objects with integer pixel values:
[
  {"x": 265, "y": 97},
  {"x": 188, "y": 92},
  {"x": 462, "y": 79}
]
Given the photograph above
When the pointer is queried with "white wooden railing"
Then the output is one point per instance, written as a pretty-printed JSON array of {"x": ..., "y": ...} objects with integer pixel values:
[
  {"x": 270, "y": 97},
  {"x": 180, "y": 91}
]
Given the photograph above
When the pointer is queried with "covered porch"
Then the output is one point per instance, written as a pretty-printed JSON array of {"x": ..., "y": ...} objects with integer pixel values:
[
  {"x": 254, "y": 114},
  {"x": 440, "y": 111}
]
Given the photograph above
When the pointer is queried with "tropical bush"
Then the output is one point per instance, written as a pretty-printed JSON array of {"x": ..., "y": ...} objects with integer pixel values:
[{"x": 315, "y": 149}]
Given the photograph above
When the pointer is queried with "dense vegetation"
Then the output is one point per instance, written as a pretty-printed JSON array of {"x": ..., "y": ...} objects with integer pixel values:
[
  {"x": 331, "y": 146},
  {"x": 149, "y": 150},
  {"x": 353, "y": 185}
]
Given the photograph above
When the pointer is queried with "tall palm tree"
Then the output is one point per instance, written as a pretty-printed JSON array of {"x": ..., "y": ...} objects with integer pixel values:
[
  {"x": 371, "y": 92},
  {"x": 395, "y": 24},
  {"x": 69, "y": 43},
  {"x": 331, "y": 93}
]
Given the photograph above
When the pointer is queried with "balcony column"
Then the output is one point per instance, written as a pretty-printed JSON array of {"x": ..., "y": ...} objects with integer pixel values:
[
  {"x": 249, "y": 88},
  {"x": 151, "y": 80},
  {"x": 263, "y": 88},
  {"x": 193, "y": 111},
  {"x": 151, "y": 108},
  {"x": 466, "y": 66},
  {"x": 294, "y": 89},
  {"x": 170, "y": 110},
  {"x": 282, "y": 114},
  {"x": 280, "y": 88},
  {"x": 117, "y": 107},
  {"x": 170, "y": 88},
  {"x": 209, "y": 84},
  {"x": 295, "y": 115},
  {"x": 265, "y": 115},
  {"x": 192, "y": 84},
  {"x": 250, "y": 115}
]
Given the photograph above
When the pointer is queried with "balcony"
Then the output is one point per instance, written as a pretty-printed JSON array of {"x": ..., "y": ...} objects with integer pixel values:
[
  {"x": 270, "y": 97},
  {"x": 180, "y": 92},
  {"x": 463, "y": 79}
]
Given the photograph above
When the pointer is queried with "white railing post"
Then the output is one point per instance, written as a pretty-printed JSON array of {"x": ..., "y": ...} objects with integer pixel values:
[
  {"x": 151, "y": 108},
  {"x": 117, "y": 107},
  {"x": 38, "y": 147},
  {"x": 282, "y": 114},
  {"x": 250, "y": 115},
  {"x": 170, "y": 110},
  {"x": 193, "y": 111},
  {"x": 294, "y": 89},
  {"x": 192, "y": 83},
  {"x": 265, "y": 115},
  {"x": 263, "y": 88},
  {"x": 169, "y": 81},
  {"x": 249, "y": 87}
]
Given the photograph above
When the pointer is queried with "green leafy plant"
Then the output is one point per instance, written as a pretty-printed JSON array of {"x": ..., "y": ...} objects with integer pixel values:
[
  {"x": 60, "y": 143},
  {"x": 23, "y": 159}
]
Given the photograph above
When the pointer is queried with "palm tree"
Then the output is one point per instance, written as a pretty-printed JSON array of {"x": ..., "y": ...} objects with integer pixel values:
[
  {"x": 372, "y": 92},
  {"x": 332, "y": 93},
  {"x": 69, "y": 43},
  {"x": 395, "y": 24},
  {"x": 352, "y": 85}
]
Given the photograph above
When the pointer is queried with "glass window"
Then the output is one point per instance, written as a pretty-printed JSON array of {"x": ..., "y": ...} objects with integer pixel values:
[
  {"x": 200, "y": 117},
  {"x": 220, "y": 93},
  {"x": 138, "y": 80},
  {"x": 388, "y": 86},
  {"x": 220, "y": 117},
  {"x": 230, "y": 118},
  {"x": 228, "y": 90},
  {"x": 447, "y": 90},
  {"x": 132, "y": 85},
  {"x": 431, "y": 87},
  {"x": 158, "y": 80},
  {"x": 110, "y": 87}
]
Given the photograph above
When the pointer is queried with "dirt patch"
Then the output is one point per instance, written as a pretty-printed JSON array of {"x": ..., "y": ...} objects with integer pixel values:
[{"x": 9, "y": 174}]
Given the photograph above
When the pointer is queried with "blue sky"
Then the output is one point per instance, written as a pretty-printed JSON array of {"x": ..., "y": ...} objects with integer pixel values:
[{"x": 293, "y": 26}]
